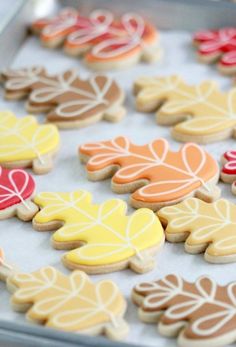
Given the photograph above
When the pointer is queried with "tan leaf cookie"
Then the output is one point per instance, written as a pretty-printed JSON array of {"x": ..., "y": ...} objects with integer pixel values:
[
  {"x": 209, "y": 227},
  {"x": 71, "y": 303},
  {"x": 154, "y": 174},
  {"x": 16, "y": 192},
  {"x": 200, "y": 113},
  {"x": 6, "y": 269},
  {"x": 68, "y": 100},
  {"x": 25, "y": 143},
  {"x": 202, "y": 313},
  {"x": 104, "y": 41},
  {"x": 101, "y": 238}
]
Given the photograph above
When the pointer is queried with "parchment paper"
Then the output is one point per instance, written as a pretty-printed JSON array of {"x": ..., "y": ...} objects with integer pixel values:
[{"x": 30, "y": 250}]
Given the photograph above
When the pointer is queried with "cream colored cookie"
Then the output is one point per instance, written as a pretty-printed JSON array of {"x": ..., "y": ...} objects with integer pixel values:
[
  {"x": 205, "y": 227},
  {"x": 201, "y": 113},
  {"x": 70, "y": 303}
]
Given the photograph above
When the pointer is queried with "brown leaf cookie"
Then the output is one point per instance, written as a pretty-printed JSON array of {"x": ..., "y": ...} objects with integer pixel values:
[
  {"x": 202, "y": 313},
  {"x": 68, "y": 100}
]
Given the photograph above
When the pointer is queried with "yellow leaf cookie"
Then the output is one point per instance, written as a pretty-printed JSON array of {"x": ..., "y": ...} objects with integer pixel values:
[
  {"x": 110, "y": 240},
  {"x": 70, "y": 303},
  {"x": 24, "y": 143},
  {"x": 200, "y": 113},
  {"x": 209, "y": 227}
]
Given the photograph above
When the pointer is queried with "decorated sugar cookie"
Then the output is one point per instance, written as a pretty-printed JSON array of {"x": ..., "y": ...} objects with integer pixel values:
[
  {"x": 201, "y": 313},
  {"x": 25, "y": 143},
  {"x": 205, "y": 227},
  {"x": 105, "y": 42},
  {"x": 101, "y": 237},
  {"x": 55, "y": 30},
  {"x": 155, "y": 175},
  {"x": 218, "y": 45},
  {"x": 68, "y": 100},
  {"x": 200, "y": 113},
  {"x": 70, "y": 303},
  {"x": 228, "y": 171},
  {"x": 6, "y": 269},
  {"x": 16, "y": 190}
]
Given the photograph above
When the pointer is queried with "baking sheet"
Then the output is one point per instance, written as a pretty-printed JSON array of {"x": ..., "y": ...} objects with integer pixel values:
[{"x": 31, "y": 250}]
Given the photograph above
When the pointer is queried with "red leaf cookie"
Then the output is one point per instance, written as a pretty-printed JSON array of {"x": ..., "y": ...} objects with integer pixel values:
[
  {"x": 16, "y": 190},
  {"x": 153, "y": 173},
  {"x": 218, "y": 45},
  {"x": 69, "y": 100},
  {"x": 228, "y": 172},
  {"x": 104, "y": 41},
  {"x": 199, "y": 314}
]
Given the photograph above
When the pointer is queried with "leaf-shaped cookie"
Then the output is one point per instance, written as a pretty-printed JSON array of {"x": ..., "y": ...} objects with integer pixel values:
[
  {"x": 6, "y": 269},
  {"x": 209, "y": 227},
  {"x": 201, "y": 113},
  {"x": 69, "y": 100},
  {"x": 217, "y": 45},
  {"x": 228, "y": 171},
  {"x": 16, "y": 190},
  {"x": 24, "y": 143},
  {"x": 155, "y": 174},
  {"x": 198, "y": 314},
  {"x": 55, "y": 30},
  {"x": 104, "y": 41},
  {"x": 110, "y": 240},
  {"x": 70, "y": 303}
]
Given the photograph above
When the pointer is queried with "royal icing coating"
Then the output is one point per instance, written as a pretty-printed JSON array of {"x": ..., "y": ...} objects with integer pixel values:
[
  {"x": 67, "y": 97},
  {"x": 218, "y": 44},
  {"x": 171, "y": 175},
  {"x": 210, "y": 225},
  {"x": 16, "y": 186},
  {"x": 203, "y": 311},
  {"x": 71, "y": 303},
  {"x": 24, "y": 139},
  {"x": 120, "y": 238},
  {"x": 100, "y": 36},
  {"x": 228, "y": 171},
  {"x": 59, "y": 26},
  {"x": 229, "y": 59},
  {"x": 201, "y": 111},
  {"x": 230, "y": 166}
]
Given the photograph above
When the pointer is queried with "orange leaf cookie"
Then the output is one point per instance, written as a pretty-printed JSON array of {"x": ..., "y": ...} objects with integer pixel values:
[
  {"x": 198, "y": 314},
  {"x": 101, "y": 238},
  {"x": 71, "y": 303},
  {"x": 104, "y": 41},
  {"x": 153, "y": 173},
  {"x": 200, "y": 113},
  {"x": 209, "y": 227},
  {"x": 68, "y": 100}
]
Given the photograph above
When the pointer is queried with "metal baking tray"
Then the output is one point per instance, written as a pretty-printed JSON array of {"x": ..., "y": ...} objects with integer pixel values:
[{"x": 185, "y": 15}]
